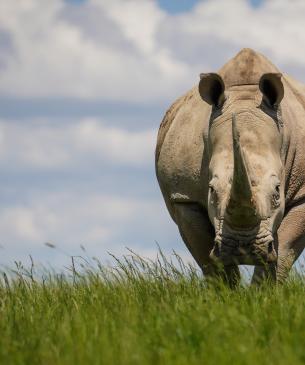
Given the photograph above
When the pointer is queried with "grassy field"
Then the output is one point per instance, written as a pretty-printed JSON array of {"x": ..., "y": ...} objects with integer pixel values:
[{"x": 147, "y": 313}]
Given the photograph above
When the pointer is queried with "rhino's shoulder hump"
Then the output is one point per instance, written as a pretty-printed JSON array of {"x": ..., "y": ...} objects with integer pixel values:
[
  {"x": 169, "y": 117},
  {"x": 246, "y": 68}
]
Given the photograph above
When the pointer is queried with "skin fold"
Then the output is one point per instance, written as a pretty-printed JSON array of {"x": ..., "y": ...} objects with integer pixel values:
[{"x": 230, "y": 162}]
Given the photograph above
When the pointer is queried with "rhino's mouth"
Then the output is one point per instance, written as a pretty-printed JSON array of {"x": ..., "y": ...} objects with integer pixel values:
[{"x": 246, "y": 247}]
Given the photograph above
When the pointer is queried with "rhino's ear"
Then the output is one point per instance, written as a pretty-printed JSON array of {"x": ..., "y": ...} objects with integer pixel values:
[
  {"x": 272, "y": 88},
  {"x": 211, "y": 88}
]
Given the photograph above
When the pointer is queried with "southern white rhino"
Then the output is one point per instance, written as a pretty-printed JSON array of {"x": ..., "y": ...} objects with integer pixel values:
[{"x": 230, "y": 162}]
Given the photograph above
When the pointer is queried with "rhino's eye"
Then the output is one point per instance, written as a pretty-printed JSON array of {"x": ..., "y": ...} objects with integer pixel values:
[
  {"x": 212, "y": 189},
  {"x": 277, "y": 189},
  {"x": 276, "y": 196},
  {"x": 213, "y": 194}
]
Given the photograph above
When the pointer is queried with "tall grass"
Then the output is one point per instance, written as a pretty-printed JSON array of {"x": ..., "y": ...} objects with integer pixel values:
[{"x": 146, "y": 312}]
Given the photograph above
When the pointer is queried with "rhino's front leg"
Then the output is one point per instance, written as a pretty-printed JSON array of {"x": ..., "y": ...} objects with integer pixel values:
[
  {"x": 198, "y": 234},
  {"x": 262, "y": 273},
  {"x": 265, "y": 272},
  {"x": 291, "y": 242},
  {"x": 291, "y": 236}
]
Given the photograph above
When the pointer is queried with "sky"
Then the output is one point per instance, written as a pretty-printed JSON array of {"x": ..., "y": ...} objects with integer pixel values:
[{"x": 84, "y": 85}]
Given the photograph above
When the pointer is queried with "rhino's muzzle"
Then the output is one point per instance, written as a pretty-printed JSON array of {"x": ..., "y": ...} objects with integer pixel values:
[
  {"x": 243, "y": 255},
  {"x": 254, "y": 247}
]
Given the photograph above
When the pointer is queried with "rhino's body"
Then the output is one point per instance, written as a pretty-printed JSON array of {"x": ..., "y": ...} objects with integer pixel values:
[{"x": 183, "y": 157}]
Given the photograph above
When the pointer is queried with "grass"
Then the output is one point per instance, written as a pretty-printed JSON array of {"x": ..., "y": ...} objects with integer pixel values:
[{"x": 143, "y": 312}]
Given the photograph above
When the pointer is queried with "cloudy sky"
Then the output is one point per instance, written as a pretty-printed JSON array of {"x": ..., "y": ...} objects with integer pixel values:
[{"x": 83, "y": 87}]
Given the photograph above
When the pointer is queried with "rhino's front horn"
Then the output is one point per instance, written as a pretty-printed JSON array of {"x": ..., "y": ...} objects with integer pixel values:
[{"x": 241, "y": 185}]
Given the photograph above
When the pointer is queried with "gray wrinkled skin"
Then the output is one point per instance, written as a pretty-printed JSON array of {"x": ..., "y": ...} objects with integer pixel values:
[{"x": 230, "y": 161}]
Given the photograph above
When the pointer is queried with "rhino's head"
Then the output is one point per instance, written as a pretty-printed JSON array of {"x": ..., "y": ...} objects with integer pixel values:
[{"x": 246, "y": 175}]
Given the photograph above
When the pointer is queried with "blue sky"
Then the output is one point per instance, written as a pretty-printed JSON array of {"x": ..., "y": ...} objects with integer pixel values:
[
  {"x": 180, "y": 6},
  {"x": 82, "y": 92},
  {"x": 177, "y": 6}
]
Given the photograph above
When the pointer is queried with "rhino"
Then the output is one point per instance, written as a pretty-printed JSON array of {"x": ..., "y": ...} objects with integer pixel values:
[{"x": 230, "y": 162}]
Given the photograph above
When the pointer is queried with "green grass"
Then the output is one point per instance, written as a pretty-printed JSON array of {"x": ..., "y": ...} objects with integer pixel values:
[{"x": 147, "y": 313}]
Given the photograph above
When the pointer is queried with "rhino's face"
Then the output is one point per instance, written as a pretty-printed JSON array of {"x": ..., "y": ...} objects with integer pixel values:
[{"x": 246, "y": 175}]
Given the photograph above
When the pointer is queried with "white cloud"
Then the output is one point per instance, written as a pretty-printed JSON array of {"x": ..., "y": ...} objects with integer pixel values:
[
  {"x": 55, "y": 56},
  {"x": 115, "y": 145},
  {"x": 141, "y": 33},
  {"x": 131, "y": 50},
  {"x": 44, "y": 144},
  {"x": 101, "y": 222},
  {"x": 216, "y": 30},
  {"x": 18, "y": 223}
]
